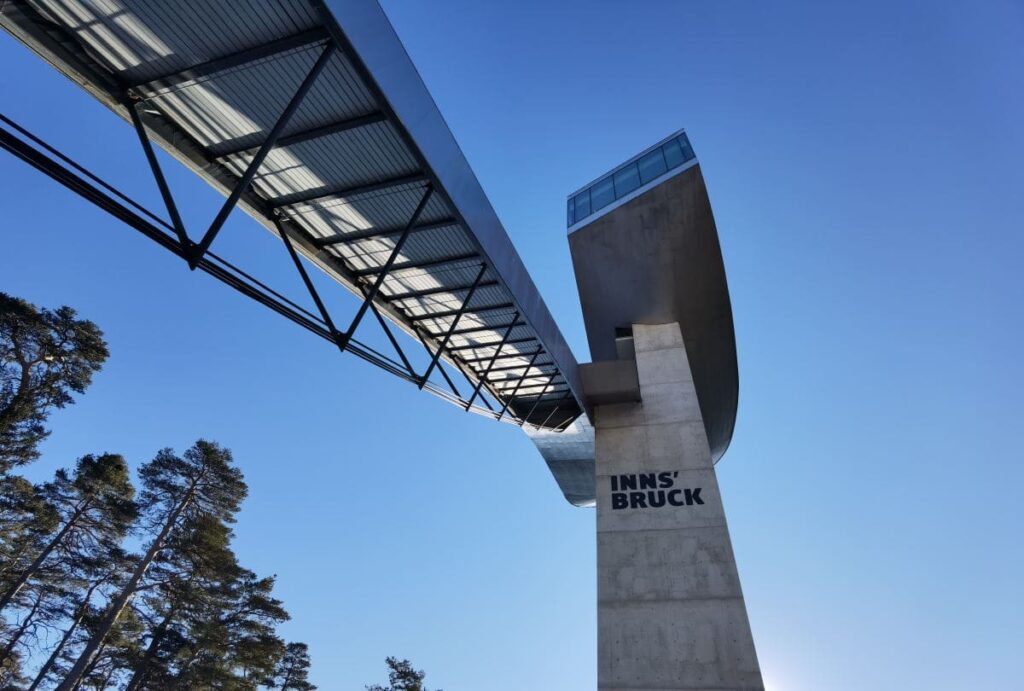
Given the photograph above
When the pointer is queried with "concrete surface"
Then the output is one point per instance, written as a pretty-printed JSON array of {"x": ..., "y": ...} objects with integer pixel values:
[{"x": 670, "y": 608}]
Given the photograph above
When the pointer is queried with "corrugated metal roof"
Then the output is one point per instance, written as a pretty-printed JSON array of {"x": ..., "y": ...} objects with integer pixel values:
[{"x": 347, "y": 174}]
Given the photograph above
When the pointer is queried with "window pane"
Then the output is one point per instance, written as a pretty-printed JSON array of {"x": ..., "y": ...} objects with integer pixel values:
[
  {"x": 673, "y": 154},
  {"x": 687, "y": 149},
  {"x": 651, "y": 166},
  {"x": 569, "y": 219},
  {"x": 626, "y": 180},
  {"x": 582, "y": 202},
  {"x": 602, "y": 193}
]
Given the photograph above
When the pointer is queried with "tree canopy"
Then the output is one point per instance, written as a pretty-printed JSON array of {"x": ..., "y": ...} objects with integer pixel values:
[
  {"x": 114, "y": 579},
  {"x": 45, "y": 356},
  {"x": 402, "y": 676}
]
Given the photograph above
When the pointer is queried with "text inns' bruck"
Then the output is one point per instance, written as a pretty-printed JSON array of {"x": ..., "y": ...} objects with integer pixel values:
[{"x": 651, "y": 491}]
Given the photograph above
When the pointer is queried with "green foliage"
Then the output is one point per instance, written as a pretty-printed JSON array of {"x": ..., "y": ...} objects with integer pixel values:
[
  {"x": 93, "y": 507},
  {"x": 45, "y": 356},
  {"x": 77, "y": 612},
  {"x": 292, "y": 672},
  {"x": 401, "y": 677}
]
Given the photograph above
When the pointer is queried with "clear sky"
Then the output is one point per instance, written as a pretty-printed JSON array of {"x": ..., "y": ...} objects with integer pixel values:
[{"x": 864, "y": 165}]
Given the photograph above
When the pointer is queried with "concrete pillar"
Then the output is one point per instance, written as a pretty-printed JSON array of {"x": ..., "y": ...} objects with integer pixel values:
[{"x": 670, "y": 609}]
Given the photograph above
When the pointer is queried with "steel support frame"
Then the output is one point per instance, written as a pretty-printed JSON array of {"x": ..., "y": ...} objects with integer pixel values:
[
  {"x": 158, "y": 173},
  {"x": 455, "y": 322},
  {"x": 475, "y": 329},
  {"x": 68, "y": 173},
  {"x": 539, "y": 397},
  {"x": 371, "y": 294},
  {"x": 425, "y": 264},
  {"x": 440, "y": 290},
  {"x": 483, "y": 376},
  {"x": 377, "y": 233},
  {"x": 478, "y": 346},
  {"x": 87, "y": 185},
  {"x": 476, "y": 310},
  {"x": 508, "y": 400},
  {"x": 199, "y": 249},
  {"x": 282, "y": 231}
]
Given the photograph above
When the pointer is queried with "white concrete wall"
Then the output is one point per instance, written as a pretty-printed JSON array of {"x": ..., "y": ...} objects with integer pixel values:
[{"x": 670, "y": 609}]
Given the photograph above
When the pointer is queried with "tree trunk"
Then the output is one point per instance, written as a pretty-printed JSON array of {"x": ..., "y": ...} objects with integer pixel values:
[
  {"x": 287, "y": 678},
  {"x": 75, "y": 622},
  {"x": 12, "y": 412},
  {"x": 20, "y": 582},
  {"x": 89, "y": 669},
  {"x": 117, "y": 605},
  {"x": 135, "y": 683}
]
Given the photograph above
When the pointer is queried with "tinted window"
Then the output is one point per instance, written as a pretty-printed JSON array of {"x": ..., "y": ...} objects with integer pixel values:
[
  {"x": 626, "y": 180},
  {"x": 569, "y": 212},
  {"x": 673, "y": 154},
  {"x": 651, "y": 166},
  {"x": 687, "y": 149},
  {"x": 582, "y": 203},
  {"x": 602, "y": 193}
]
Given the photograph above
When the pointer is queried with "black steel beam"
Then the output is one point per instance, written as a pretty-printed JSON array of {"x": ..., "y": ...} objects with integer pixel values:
[
  {"x": 236, "y": 59},
  {"x": 158, "y": 175},
  {"x": 455, "y": 322},
  {"x": 476, "y": 346},
  {"x": 394, "y": 342},
  {"x": 474, "y": 329},
  {"x": 475, "y": 310},
  {"x": 307, "y": 135},
  {"x": 510, "y": 368},
  {"x": 544, "y": 386},
  {"x": 419, "y": 337},
  {"x": 371, "y": 294},
  {"x": 250, "y": 172},
  {"x": 306, "y": 280},
  {"x": 481, "y": 378},
  {"x": 511, "y": 396},
  {"x": 374, "y": 233},
  {"x": 436, "y": 291},
  {"x": 328, "y": 193},
  {"x": 500, "y": 357},
  {"x": 426, "y": 264},
  {"x": 544, "y": 422}
]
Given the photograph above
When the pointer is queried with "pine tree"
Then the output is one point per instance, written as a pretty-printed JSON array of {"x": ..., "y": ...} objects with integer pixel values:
[
  {"x": 402, "y": 676},
  {"x": 26, "y": 520},
  {"x": 229, "y": 641},
  {"x": 45, "y": 356},
  {"x": 95, "y": 506},
  {"x": 293, "y": 670},
  {"x": 185, "y": 582},
  {"x": 176, "y": 490},
  {"x": 96, "y": 572}
]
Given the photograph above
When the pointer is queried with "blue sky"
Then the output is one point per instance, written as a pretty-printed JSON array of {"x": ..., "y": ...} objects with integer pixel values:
[{"x": 864, "y": 164}]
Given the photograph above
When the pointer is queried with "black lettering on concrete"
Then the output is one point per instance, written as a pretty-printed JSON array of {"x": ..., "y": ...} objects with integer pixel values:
[{"x": 658, "y": 491}]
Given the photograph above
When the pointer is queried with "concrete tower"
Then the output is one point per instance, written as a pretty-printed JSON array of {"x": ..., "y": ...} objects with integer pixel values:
[{"x": 662, "y": 392}]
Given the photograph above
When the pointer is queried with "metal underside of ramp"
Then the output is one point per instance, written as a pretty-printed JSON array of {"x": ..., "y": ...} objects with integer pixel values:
[{"x": 310, "y": 117}]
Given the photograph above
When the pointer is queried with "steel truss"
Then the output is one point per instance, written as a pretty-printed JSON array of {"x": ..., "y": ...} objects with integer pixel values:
[
  {"x": 285, "y": 214},
  {"x": 172, "y": 236}
]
